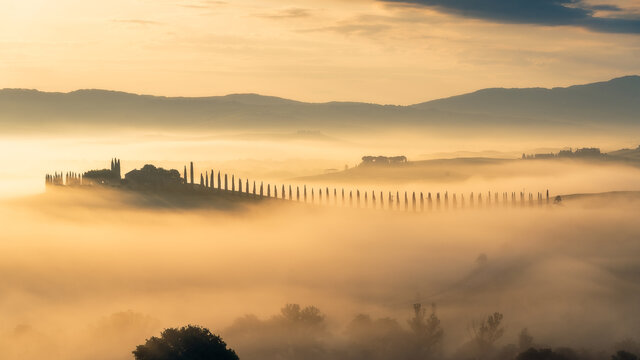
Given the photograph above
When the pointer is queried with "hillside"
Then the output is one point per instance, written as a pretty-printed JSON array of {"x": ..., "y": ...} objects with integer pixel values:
[
  {"x": 617, "y": 100},
  {"x": 464, "y": 168},
  {"x": 612, "y": 103}
]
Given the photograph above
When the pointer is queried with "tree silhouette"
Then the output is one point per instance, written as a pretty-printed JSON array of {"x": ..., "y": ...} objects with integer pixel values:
[
  {"x": 525, "y": 340},
  {"x": 624, "y": 355},
  {"x": 186, "y": 343},
  {"x": 308, "y": 316},
  {"x": 546, "y": 354},
  {"x": 427, "y": 331},
  {"x": 488, "y": 331}
]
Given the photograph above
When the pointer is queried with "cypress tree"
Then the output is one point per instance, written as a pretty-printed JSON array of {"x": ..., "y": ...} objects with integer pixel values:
[
  {"x": 290, "y": 193},
  {"x": 254, "y": 187},
  {"x": 373, "y": 199},
  {"x": 239, "y": 185},
  {"x": 350, "y": 198},
  {"x": 438, "y": 201},
  {"x": 206, "y": 179},
  {"x": 219, "y": 182},
  {"x": 313, "y": 197},
  {"x": 320, "y": 196},
  {"x": 261, "y": 189},
  {"x": 381, "y": 201},
  {"x": 226, "y": 183},
  {"x": 297, "y": 193},
  {"x": 305, "y": 193},
  {"x": 398, "y": 201},
  {"x": 246, "y": 186},
  {"x": 268, "y": 190},
  {"x": 462, "y": 201},
  {"x": 283, "y": 193},
  {"x": 366, "y": 201},
  {"x": 211, "y": 182},
  {"x": 335, "y": 197},
  {"x": 446, "y": 200},
  {"x": 201, "y": 180},
  {"x": 479, "y": 200},
  {"x": 471, "y": 201},
  {"x": 455, "y": 202},
  {"x": 421, "y": 202},
  {"x": 275, "y": 191},
  {"x": 233, "y": 183},
  {"x": 358, "y": 198},
  {"x": 406, "y": 202},
  {"x": 413, "y": 202},
  {"x": 191, "y": 172}
]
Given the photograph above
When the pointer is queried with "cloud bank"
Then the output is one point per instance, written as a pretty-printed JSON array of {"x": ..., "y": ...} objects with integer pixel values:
[{"x": 539, "y": 12}]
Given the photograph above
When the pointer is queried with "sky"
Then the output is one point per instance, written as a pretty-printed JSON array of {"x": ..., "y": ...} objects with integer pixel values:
[{"x": 382, "y": 51}]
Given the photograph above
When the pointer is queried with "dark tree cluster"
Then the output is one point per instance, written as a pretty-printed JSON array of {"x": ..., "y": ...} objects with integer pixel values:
[
  {"x": 302, "y": 333},
  {"x": 186, "y": 343},
  {"x": 150, "y": 176}
]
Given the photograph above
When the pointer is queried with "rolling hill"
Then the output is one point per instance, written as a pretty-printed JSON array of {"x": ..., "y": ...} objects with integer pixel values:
[{"x": 611, "y": 103}]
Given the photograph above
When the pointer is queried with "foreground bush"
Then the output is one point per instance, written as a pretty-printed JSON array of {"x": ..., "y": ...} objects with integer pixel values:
[{"x": 186, "y": 343}]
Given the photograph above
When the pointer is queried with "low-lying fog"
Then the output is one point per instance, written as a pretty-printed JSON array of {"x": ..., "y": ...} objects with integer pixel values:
[
  {"x": 87, "y": 276},
  {"x": 283, "y": 158}
]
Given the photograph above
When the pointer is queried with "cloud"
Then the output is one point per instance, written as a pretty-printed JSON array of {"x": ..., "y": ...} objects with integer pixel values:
[
  {"x": 203, "y": 4},
  {"x": 540, "y": 12},
  {"x": 352, "y": 29},
  {"x": 137, "y": 21},
  {"x": 290, "y": 13},
  {"x": 605, "y": 8}
]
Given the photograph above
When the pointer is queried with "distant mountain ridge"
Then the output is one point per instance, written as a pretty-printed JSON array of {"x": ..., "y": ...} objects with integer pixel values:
[
  {"x": 619, "y": 98},
  {"x": 614, "y": 102}
]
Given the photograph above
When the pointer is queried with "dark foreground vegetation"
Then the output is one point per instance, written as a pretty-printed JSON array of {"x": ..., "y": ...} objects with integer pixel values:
[
  {"x": 188, "y": 342},
  {"x": 302, "y": 333}
]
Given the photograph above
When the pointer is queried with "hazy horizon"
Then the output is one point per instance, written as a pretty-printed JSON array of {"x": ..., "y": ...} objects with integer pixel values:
[{"x": 231, "y": 94}]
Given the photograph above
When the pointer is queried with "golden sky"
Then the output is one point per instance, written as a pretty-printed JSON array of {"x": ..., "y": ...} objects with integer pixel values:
[{"x": 356, "y": 50}]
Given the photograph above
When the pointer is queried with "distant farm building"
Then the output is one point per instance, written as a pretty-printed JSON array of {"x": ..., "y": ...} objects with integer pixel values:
[
  {"x": 383, "y": 160},
  {"x": 579, "y": 153},
  {"x": 152, "y": 177}
]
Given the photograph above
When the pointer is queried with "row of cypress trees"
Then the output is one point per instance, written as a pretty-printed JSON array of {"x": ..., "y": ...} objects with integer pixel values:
[{"x": 410, "y": 201}]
